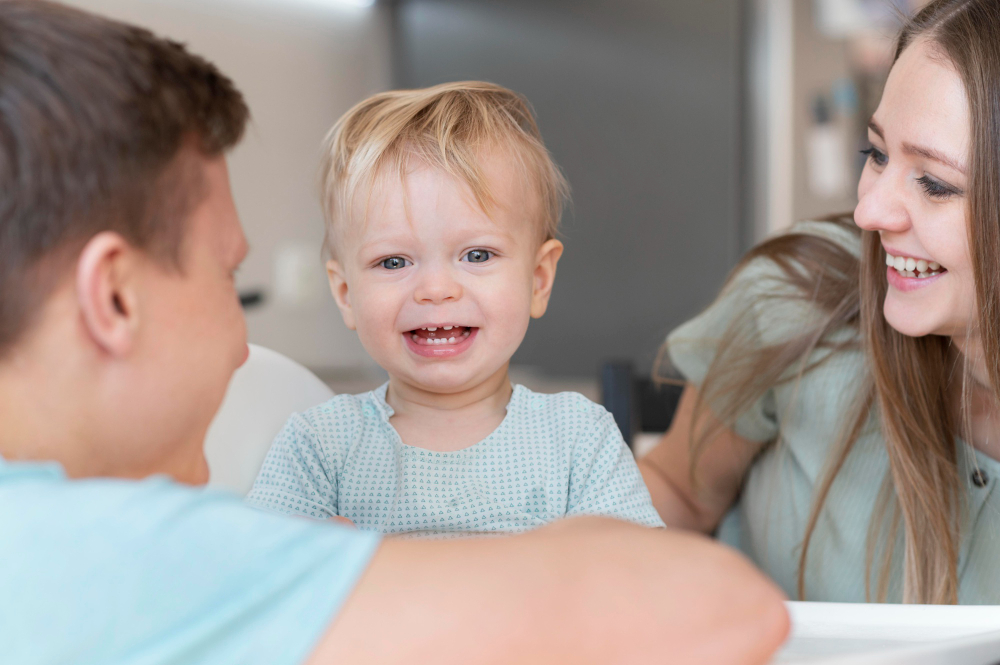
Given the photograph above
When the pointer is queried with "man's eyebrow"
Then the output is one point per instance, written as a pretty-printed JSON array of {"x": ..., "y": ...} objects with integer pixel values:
[{"x": 928, "y": 153}]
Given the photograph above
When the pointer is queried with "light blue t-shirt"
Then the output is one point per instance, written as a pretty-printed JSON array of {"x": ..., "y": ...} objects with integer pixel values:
[
  {"x": 552, "y": 456},
  {"x": 123, "y": 572}
]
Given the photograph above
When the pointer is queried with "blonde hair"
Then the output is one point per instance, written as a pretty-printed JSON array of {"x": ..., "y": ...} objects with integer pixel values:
[
  {"x": 908, "y": 378},
  {"x": 452, "y": 127}
]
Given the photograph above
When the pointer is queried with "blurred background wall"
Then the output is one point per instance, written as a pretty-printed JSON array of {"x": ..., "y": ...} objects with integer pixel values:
[{"x": 688, "y": 131}]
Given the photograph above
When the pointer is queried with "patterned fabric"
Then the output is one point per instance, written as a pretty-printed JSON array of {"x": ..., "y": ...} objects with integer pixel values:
[
  {"x": 552, "y": 456},
  {"x": 124, "y": 572}
]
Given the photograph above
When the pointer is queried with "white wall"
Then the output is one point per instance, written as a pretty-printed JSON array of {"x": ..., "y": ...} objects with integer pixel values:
[{"x": 300, "y": 64}]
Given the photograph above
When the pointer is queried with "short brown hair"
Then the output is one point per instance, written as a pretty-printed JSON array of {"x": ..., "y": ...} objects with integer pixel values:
[
  {"x": 93, "y": 114},
  {"x": 448, "y": 126}
]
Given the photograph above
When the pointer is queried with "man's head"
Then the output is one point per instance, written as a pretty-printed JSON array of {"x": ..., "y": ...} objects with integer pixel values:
[
  {"x": 118, "y": 238},
  {"x": 442, "y": 207}
]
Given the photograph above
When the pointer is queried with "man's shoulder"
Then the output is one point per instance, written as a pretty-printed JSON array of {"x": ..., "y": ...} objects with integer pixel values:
[{"x": 124, "y": 566}]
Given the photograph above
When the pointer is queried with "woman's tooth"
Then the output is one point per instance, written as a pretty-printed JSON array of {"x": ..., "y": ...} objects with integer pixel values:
[
  {"x": 899, "y": 263},
  {"x": 911, "y": 265},
  {"x": 921, "y": 266},
  {"x": 933, "y": 265},
  {"x": 889, "y": 260}
]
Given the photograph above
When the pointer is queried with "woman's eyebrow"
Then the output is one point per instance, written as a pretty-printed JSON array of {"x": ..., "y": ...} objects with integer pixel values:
[{"x": 929, "y": 153}]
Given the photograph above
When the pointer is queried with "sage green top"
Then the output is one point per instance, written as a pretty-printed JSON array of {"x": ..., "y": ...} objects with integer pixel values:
[{"x": 802, "y": 421}]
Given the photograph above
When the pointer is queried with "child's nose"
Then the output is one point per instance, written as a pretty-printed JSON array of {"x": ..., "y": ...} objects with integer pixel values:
[{"x": 437, "y": 286}]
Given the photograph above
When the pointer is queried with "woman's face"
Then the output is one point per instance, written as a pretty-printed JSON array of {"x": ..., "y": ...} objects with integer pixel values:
[{"x": 913, "y": 193}]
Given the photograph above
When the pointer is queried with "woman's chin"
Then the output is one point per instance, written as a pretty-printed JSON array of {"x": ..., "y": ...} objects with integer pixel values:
[{"x": 907, "y": 320}]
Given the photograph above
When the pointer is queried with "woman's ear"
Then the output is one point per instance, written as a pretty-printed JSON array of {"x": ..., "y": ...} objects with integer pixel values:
[
  {"x": 546, "y": 261},
  {"x": 106, "y": 292},
  {"x": 338, "y": 287}
]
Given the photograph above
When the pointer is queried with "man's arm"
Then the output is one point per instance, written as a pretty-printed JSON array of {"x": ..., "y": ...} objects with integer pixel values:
[{"x": 586, "y": 590}]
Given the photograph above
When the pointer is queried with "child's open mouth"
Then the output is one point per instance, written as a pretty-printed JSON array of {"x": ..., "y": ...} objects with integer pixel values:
[
  {"x": 440, "y": 342},
  {"x": 440, "y": 335}
]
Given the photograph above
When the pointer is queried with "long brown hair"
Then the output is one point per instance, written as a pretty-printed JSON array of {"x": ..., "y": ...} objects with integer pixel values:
[{"x": 907, "y": 385}]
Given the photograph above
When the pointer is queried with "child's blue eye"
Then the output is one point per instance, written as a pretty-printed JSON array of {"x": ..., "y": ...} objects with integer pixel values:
[
  {"x": 394, "y": 263},
  {"x": 478, "y": 256}
]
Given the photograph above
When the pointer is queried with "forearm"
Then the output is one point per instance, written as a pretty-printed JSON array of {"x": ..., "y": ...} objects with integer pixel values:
[
  {"x": 671, "y": 504},
  {"x": 583, "y": 591}
]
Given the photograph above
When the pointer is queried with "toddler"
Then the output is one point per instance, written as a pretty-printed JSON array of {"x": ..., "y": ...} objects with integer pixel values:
[{"x": 442, "y": 206}]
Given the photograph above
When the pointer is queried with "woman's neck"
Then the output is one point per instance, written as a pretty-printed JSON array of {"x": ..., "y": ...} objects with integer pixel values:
[{"x": 974, "y": 402}]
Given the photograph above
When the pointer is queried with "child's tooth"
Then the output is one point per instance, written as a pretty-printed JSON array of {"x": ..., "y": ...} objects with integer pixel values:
[
  {"x": 448, "y": 327},
  {"x": 921, "y": 266},
  {"x": 415, "y": 337},
  {"x": 451, "y": 340},
  {"x": 466, "y": 333},
  {"x": 933, "y": 265},
  {"x": 899, "y": 263},
  {"x": 431, "y": 329}
]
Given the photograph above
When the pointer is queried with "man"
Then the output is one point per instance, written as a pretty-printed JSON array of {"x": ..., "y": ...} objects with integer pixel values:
[{"x": 119, "y": 331}]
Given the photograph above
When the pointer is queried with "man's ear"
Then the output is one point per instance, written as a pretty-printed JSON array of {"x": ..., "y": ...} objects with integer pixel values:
[
  {"x": 338, "y": 287},
  {"x": 545, "y": 276},
  {"x": 106, "y": 292}
]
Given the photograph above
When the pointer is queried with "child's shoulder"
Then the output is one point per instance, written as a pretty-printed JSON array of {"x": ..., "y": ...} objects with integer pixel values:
[
  {"x": 567, "y": 408},
  {"x": 343, "y": 413}
]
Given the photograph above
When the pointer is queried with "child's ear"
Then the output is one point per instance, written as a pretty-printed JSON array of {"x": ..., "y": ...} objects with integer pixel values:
[
  {"x": 338, "y": 287},
  {"x": 545, "y": 276}
]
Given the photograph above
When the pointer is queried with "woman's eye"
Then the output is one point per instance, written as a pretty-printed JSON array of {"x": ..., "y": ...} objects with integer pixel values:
[
  {"x": 935, "y": 189},
  {"x": 478, "y": 256},
  {"x": 394, "y": 263},
  {"x": 875, "y": 156}
]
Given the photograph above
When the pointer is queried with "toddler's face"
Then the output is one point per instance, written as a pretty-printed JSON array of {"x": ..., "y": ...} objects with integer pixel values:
[{"x": 439, "y": 292}]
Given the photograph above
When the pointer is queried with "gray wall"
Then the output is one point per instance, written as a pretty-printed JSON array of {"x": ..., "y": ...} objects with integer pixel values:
[{"x": 639, "y": 101}]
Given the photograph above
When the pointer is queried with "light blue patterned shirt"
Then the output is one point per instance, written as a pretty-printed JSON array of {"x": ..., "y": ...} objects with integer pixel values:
[{"x": 552, "y": 456}]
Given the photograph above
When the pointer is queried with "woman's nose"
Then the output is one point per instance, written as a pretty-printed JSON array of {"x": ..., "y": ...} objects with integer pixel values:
[
  {"x": 882, "y": 203},
  {"x": 437, "y": 286}
]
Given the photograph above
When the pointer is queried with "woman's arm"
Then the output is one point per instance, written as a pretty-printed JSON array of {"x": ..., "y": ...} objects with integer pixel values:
[
  {"x": 581, "y": 591},
  {"x": 719, "y": 474}
]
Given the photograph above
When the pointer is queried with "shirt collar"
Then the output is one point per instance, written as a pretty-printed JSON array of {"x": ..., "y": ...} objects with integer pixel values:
[{"x": 517, "y": 394}]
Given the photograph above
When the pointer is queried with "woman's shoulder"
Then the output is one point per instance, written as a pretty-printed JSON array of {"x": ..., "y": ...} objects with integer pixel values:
[
  {"x": 803, "y": 247},
  {"x": 784, "y": 289}
]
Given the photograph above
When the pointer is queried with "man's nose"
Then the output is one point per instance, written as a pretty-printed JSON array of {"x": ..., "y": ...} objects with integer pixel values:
[
  {"x": 883, "y": 206},
  {"x": 437, "y": 285}
]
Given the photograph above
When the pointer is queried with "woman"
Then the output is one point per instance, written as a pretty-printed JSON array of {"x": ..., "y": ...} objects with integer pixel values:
[{"x": 841, "y": 420}]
